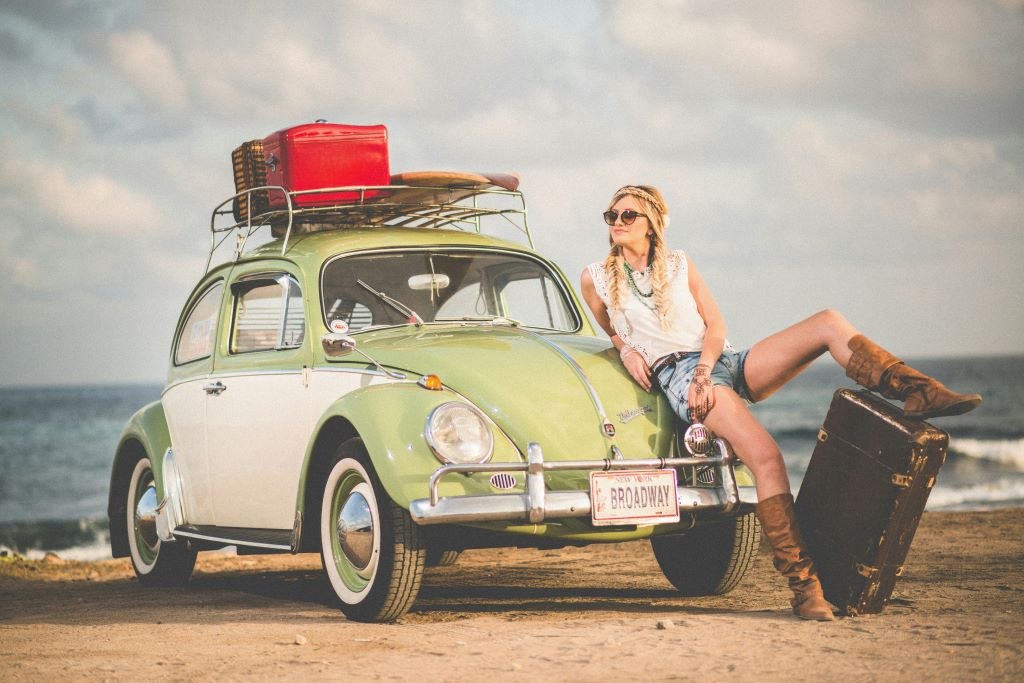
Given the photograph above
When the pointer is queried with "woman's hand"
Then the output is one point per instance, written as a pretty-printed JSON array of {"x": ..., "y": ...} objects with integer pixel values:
[
  {"x": 637, "y": 366},
  {"x": 701, "y": 395}
]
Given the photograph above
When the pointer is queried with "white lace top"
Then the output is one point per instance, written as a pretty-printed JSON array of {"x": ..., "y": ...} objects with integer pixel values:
[{"x": 637, "y": 324}]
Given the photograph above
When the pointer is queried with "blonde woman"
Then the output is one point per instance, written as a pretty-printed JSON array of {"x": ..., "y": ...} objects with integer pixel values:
[{"x": 670, "y": 334}]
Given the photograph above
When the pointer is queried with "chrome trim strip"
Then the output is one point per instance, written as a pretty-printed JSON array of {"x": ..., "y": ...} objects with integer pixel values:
[
  {"x": 170, "y": 514},
  {"x": 230, "y": 541},
  {"x": 228, "y": 375},
  {"x": 725, "y": 473},
  {"x": 356, "y": 371},
  {"x": 535, "y": 482},
  {"x": 296, "y": 532},
  {"x": 163, "y": 523}
]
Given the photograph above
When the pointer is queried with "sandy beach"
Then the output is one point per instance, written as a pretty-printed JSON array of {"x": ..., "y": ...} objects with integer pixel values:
[{"x": 582, "y": 614}]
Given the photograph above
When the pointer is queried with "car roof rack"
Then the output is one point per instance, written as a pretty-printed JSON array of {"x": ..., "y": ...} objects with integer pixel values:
[{"x": 456, "y": 204}]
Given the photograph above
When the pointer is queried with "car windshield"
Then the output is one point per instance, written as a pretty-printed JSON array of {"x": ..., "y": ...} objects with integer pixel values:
[{"x": 435, "y": 286}]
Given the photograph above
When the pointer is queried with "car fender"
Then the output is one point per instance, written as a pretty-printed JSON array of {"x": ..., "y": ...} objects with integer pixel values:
[
  {"x": 145, "y": 435},
  {"x": 391, "y": 420}
]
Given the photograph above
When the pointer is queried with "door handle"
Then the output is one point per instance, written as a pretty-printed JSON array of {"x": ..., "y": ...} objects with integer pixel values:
[{"x": 214, "y": 388}]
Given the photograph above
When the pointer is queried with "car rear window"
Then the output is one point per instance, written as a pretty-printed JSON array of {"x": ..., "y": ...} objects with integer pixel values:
[{"x": 199, "y": 332}]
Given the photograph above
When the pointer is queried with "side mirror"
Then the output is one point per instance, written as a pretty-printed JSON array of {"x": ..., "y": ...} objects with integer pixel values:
[{"x": 337, "y": 345}]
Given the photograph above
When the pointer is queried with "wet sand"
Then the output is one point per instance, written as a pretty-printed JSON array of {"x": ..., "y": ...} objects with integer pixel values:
[{"x": 581, "y": 614}]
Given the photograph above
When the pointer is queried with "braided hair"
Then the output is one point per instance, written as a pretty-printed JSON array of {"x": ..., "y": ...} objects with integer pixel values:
[{"x": 614, "y": 266}]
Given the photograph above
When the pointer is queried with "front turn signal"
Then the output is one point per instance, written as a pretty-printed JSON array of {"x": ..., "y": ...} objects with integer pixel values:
[{"x": 432, "y": 382}]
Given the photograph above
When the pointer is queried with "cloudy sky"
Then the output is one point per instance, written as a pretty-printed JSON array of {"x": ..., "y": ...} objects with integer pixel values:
[{"x": 866, "y": 156}]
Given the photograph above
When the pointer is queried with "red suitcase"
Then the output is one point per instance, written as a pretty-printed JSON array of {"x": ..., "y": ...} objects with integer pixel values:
[{"x": 319, "y": 155}]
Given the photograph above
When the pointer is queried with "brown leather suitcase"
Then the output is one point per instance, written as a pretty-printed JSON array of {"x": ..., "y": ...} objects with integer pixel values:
[
  {"x": 863, "y": 496},
  {"x": 250, "y": 171}
]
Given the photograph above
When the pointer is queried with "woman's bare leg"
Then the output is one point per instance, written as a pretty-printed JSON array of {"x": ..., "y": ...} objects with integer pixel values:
[
  {"x": 731, "y": 420},
  {"x": 775, "y": 360}
]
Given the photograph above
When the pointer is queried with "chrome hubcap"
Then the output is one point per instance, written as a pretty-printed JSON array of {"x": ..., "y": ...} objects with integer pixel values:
[
  {"x": 145, "y": 517},
  {"x": 355, "y": 530}
]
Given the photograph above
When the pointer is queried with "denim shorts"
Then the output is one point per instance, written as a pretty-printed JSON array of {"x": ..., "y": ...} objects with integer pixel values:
[{"x": 674, "y": 379}]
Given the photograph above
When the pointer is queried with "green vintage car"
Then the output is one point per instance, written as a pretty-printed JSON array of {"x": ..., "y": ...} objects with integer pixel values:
[{"x": 390, "y": 381}]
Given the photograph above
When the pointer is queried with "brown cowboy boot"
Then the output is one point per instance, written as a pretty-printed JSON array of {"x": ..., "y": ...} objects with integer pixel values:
[
  {"x": 778, "y": 522},
  {"x": 873, "y": 367}
]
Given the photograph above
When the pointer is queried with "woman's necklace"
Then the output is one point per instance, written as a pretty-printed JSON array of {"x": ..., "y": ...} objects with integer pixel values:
[{"x": 631, "y": 275}]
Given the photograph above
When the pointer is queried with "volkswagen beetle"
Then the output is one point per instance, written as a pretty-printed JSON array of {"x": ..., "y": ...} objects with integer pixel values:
[{"x": 389, "y": 381}]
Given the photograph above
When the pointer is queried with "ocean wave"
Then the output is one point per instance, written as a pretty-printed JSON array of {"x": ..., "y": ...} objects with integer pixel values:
[
  {"x": 808, "y": 434},
  {"x": 100, "y": 550},
  {"x": 72, "y": 538},
  {"x": 988, "y": 495},
  {"x": 1003, "y": 451}
]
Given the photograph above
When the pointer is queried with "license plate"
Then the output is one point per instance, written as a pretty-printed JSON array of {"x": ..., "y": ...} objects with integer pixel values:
[{"x": 646, "y": 497}]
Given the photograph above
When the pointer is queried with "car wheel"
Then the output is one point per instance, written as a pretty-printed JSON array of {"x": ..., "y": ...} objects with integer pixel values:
[
  {"x": 155, "y": 563},
  {"x": 371, "y": 550},
  {"x": 710, "y": 559},
  {"x": 439, "y": 557}
]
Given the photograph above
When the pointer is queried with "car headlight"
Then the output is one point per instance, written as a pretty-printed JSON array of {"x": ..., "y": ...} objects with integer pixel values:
[{"x": 459, "y": 433}]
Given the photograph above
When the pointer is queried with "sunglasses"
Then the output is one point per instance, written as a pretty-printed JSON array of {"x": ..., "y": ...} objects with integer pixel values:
[{"x": 628, "y": 216}]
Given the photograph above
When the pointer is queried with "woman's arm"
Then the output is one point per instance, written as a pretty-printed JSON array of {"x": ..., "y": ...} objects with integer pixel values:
[
  {"x": 631, "y": 358},
  {"x": 597, "y": 306},
  {"x": 701, "y": 397}
]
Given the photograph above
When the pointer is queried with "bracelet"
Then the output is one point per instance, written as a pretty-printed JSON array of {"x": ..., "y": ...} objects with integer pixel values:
[
  {"x": 625, "y": 351},
  {"x": 701, "y": 382},
  {"x": 702, "y": 385}
]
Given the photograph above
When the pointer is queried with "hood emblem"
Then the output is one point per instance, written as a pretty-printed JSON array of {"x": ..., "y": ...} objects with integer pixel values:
[
  {"x": 609, "y": 429},
  {"x": 633, "y": 413}
]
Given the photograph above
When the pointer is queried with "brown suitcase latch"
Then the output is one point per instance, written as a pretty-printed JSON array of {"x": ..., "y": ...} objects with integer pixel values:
[
  {"x": 822, "y": 435},
  {"x": 866, "y": 571},
  {"x": 901, "y": 480}
]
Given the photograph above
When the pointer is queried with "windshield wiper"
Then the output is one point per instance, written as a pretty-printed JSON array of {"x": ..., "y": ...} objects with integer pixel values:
[
  {"x": 492, "y": 319},
  {"x": 410, "y": 314}
]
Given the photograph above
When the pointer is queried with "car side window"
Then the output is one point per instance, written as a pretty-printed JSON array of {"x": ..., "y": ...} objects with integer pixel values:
[
  {"x": 197, "y": 335},
  {"x": 268, "y": 314}
]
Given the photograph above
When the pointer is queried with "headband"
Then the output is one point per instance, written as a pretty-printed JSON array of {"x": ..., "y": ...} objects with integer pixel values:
[{"x": 642, "y": 194}]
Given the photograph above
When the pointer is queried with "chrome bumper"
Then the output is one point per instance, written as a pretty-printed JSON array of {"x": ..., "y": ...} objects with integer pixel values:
[{"x": 538, "y": 504}]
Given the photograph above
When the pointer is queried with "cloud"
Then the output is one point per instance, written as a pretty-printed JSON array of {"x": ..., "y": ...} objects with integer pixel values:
[
  {"x": 953, "y": 54},
  {"x": 88, "y": 204},
  {"x": 24, "y": 272},
  {"x": 694, "y": 40},
  {"x": 49, "y": 120},
  {"x": 891, "y": 193},
  {"x": 149, "y": 66},
  {"x": 803, "y": 145}
]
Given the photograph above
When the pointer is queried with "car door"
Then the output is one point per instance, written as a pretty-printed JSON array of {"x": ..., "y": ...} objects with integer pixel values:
[{"x": 258, "y": 419}]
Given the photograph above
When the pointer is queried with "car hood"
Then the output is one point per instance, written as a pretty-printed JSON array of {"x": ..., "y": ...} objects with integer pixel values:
[{"x": 525, "y": 383}]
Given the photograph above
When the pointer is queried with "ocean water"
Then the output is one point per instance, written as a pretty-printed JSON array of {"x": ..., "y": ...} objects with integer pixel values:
[{"x": 57, "y": 445}]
